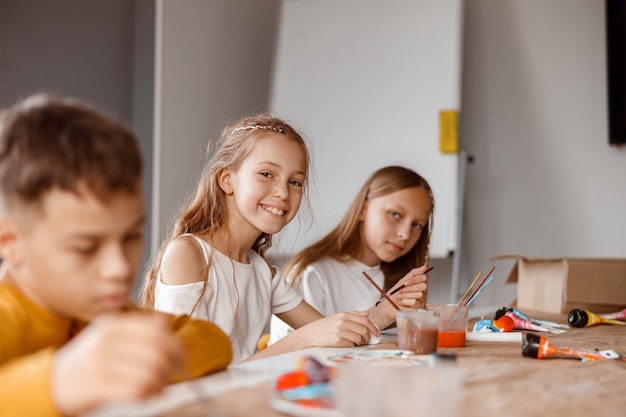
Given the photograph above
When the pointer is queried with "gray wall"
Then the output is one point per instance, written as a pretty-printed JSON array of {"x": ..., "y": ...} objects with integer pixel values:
[
  {"x": 143, "y": 95},
  {"x": 72, "y": 47},
  {"x": 545, "y": 182},
  {"x": 101, "y": 51},
  {"x": 213, "y": 64}
]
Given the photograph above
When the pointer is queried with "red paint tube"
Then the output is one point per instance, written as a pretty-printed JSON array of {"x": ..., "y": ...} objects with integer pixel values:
[{"x": 504, "y": 324}]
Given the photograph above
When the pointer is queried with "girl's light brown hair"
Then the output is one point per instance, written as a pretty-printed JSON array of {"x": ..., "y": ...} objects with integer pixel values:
[
  {"x": 344, "y": 240},
  {"x": 206, "y": 211}
]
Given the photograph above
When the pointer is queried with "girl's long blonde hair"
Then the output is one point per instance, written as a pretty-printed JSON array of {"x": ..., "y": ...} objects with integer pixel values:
[
  {"x": 206, "y": 213},
  {"x": 344, "y": 240}
]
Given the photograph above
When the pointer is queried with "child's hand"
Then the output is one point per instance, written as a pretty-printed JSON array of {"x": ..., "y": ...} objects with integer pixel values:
[
  {"x": 122, "y": 356},
  {"x": 412, "y": 293},
  {"x": 340, "y": 330}
]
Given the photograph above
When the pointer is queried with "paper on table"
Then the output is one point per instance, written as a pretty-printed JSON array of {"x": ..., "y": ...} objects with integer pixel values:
[{"x": 493, "y": 337}]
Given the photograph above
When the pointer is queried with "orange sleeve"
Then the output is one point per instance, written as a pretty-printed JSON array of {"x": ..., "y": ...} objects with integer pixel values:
[
  {"x": 25, "y": 386},
  {"x": 208, "y": 347}
]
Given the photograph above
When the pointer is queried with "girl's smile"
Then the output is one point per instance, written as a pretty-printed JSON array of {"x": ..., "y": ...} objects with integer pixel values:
[{"x": 275, "y": 211}]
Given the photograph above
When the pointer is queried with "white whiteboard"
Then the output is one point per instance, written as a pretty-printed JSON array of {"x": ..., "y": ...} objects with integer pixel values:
[{"x": 364, "y": 81}]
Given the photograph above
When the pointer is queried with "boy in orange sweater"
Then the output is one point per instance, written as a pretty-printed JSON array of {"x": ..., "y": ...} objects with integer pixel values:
[{"x": 71, "y": 241}]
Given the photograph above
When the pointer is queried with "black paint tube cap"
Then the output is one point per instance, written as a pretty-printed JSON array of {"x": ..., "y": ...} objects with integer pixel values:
[
  {"x": 578, "y": 318},
  {"x": 530, "y": 346}
]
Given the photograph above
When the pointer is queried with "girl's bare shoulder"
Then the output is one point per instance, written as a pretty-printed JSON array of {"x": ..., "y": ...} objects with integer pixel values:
[{"x": 183, "y": 262}]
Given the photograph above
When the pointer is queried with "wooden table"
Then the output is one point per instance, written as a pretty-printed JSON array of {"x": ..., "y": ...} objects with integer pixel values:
[{"x": 498, "y": 381}]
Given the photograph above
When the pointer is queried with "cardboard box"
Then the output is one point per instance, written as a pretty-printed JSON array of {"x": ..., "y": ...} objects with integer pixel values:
[{"x": 560, "y": 285}]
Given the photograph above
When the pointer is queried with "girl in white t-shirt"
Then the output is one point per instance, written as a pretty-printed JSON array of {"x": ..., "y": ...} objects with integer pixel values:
[
  {"x": 212, "y": 266},
  {"x": 385, "y": 233}
]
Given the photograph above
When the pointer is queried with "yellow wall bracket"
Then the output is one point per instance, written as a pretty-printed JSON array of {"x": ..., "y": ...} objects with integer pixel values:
[{"x": 449, "y": 131}]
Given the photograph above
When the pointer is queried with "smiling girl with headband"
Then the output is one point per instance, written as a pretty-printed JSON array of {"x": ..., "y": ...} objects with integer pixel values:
[{"x": 213, "y": 266}]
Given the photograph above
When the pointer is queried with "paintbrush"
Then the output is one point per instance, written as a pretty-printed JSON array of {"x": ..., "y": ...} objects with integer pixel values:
[
  {"x": 402, "y": 286},
  {"x": 479, "y": 286},
  {"x": 381, "y": 291},
  {"x": 477, "y": 293},
  {"x": 486, "y": 281},
  {"x": 469, "y": 288}
]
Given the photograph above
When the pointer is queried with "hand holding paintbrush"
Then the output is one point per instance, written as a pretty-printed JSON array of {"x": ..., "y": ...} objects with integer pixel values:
[
  {"x": 403, "y": 286},
  {"x": 415, "y": 284},
  {"x": 381, "y": 291}
]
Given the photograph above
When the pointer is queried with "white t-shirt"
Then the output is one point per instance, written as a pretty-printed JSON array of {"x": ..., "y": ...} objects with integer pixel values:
[
  {"x": 333, "y": 286},
  {"x": 239, "y": 298}
]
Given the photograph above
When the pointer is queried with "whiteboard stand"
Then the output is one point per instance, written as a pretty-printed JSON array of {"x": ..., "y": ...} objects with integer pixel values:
[{"x": 456, "y": 257}]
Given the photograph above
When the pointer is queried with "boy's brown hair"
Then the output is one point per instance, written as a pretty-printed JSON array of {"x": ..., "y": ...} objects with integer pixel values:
[{"x": 49, "y": 142}]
